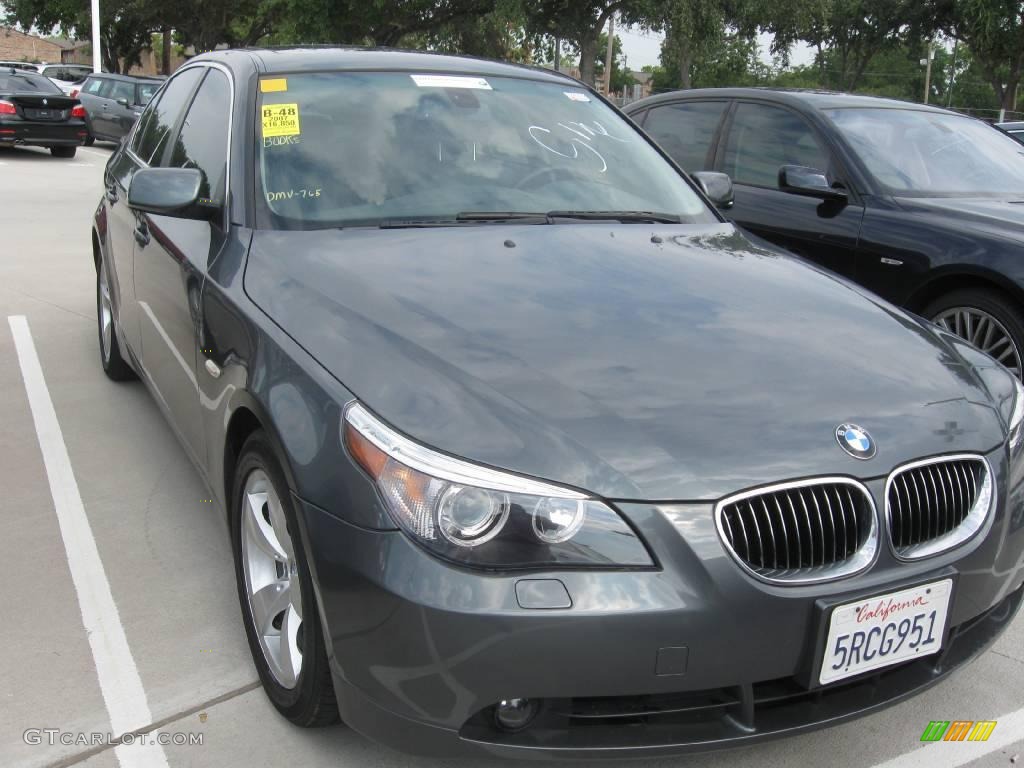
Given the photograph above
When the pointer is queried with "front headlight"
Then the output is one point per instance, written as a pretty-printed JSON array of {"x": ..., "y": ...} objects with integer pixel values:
[
  {"x": 1016, "y": 430},
  {"x": 482, "y": 516}
]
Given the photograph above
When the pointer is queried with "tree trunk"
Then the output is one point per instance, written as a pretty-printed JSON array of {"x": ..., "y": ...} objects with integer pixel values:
[
  {"x": 588, "y": 54},
  {"x": 685, "y": 64},
  {"x": 165, "y": 64}
]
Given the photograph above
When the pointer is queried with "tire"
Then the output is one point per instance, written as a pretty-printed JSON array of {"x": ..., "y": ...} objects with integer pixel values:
[
  {"x": 985, "y": 318},
  {"x": 90, "y": 140},
  {"x": 115, "y": 366},
  {"x": 63, "y": 151},
  {"x": 305, "y": 697}
]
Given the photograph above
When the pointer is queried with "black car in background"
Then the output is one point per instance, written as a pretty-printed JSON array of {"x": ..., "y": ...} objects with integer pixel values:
[
  {"x": 922, "y": 205},
  {"x": 34, "y": 111},
  {"x": 114, "y": 102},
  {"x": 524, "y": 449},
  {"x": 1013, "y": 129}
]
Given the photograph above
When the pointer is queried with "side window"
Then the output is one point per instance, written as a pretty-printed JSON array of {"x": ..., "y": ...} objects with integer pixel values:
[
  {"x": 686, "y": 130},
  {"x": 146, "y": 92},
  {"x": 122, "y": 90},
  {"x": 763, "y": 138},
  {"x": 95, "y": 86},
  {"x": 158, "y": 123},
  {"x": 203, "y": 140}
]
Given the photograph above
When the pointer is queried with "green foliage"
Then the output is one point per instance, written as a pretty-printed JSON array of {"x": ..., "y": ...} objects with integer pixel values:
[{"x": 125, "y": 24}]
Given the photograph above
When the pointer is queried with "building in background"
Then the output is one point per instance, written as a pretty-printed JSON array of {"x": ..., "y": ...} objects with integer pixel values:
[{"x": 18, "y": 46}]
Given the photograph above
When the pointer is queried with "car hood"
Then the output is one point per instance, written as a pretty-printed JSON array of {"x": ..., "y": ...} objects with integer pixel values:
[
  {"x": 634, "y": 361},
  {"x": 986, "y": 214}
]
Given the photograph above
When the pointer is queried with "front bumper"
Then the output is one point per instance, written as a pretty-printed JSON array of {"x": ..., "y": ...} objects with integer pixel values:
[
  {"x": 691, "y": 656},
  {"x": 43, "y": 134}
]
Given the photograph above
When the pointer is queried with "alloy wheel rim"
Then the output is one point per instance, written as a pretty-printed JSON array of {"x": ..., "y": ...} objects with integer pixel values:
[
  {"x": 106, "y": 316},
  {"x": 982, "y": 330},
  {"x": 271, "y": 579}
]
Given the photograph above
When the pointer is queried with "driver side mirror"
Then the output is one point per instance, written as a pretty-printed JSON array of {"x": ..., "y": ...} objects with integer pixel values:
[
  {"x": 123, "y": 102},
  {"x": 808, "y": 182},
  {"x": 716, "y": 186},
  {"x": 169, "y": 192}
]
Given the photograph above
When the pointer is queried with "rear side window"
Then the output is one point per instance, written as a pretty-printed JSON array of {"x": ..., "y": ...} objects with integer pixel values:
[
  {"x": 685, "y": 131},
  {"x": 203, "y": 140},
  {"x": 151, "y": 137},
  {"x": 764, "y": 138}
]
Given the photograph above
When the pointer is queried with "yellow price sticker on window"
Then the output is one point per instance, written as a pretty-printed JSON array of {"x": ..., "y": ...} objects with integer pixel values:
[{"x": 280, "y": 120}]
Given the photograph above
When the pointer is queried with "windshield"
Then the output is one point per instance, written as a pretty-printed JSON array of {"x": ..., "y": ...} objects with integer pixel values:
[
  {"x": 932, "y": 154},
  {"x": 26, "y": 83},
  {"x": 356, "y": 148}
]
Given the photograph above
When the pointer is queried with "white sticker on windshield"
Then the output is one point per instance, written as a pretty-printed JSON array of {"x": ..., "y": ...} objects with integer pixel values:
[
  {"x": 576, "y": 95},
  {"x": 451, "y": 81}
]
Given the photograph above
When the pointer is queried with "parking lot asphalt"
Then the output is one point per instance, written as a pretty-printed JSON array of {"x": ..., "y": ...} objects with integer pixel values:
[{"x": 161, "y": 545}]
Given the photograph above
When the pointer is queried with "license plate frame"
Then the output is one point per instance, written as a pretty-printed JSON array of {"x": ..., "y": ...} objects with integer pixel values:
[{"x": 809, "y": 675}]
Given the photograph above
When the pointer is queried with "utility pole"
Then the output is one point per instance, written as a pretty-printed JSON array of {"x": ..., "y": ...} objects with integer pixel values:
[
  {"x": 97, "y": 59},
  {"x": 929, "y": 55},
  {"x": 558, "y": 53},
  {"x": 607, "y": 58}
]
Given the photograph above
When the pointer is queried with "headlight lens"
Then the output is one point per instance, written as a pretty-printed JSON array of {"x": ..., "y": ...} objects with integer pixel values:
[
  {"x": 485, "y": 517},
  {"x": 1016, "y": 426}
]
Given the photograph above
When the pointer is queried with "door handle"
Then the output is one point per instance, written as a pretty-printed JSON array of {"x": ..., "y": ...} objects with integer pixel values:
[{"x": 141, "y": 233}]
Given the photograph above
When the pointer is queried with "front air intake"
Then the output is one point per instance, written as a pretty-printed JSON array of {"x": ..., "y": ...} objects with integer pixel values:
[{"x": 804, "y": 531}]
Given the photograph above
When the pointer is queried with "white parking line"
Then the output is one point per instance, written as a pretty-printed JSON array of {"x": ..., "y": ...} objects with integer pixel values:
[
  {"x": 118, "y": 676},
  {"x": 941, "y": 754}
]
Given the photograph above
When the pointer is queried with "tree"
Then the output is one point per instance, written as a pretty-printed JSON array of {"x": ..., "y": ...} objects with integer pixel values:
[
  {"x": 371, "y": 22},
  {"x": 205, "y": 24},
  {"x": 499, "y": 34},
  {"x": 126, "y": 26},
  {"x": 578, "y": 22},
  {"x": 994, "y": 32},
  {"x": 846, "y": 34}
]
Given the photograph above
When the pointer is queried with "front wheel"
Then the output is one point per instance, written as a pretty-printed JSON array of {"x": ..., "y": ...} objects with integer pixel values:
[
  {"x": 985, "y": 319},
  {"x": 63, "y": 151},
  {"x": 275, "y": 591}
]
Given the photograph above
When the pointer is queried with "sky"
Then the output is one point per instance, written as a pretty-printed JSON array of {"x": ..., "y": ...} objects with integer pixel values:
[{"x": 642, "y": 48}]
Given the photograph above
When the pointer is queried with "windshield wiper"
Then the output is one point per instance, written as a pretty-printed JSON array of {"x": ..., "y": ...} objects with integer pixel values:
[
  {"x": 627, "y": 217},
  {"x": 468, "y": 218},
  {"x": 522, "y": 217}
]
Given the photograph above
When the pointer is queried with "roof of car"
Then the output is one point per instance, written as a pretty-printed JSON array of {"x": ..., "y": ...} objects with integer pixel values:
[
  {"x": 131, "y": 78},
  {"x": 806, "y": 98},
  {"x": 313, "y": 58}
]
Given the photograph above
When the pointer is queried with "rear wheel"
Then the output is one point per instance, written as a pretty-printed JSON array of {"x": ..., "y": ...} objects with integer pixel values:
[
  {"x": 110, "y": 352},
  {"x": 275, "y": 591},
  {"x": 90, "y": 140},
  {"x": 63, "y": 151},
  {"x": 985, "y": 319}
]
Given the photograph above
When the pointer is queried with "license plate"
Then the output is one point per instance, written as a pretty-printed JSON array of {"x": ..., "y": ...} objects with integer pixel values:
[{"x": 885, "y": 629}]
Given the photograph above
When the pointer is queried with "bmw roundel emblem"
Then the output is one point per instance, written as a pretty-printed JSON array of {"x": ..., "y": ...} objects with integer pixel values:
[{"x": 855, "y": 441}]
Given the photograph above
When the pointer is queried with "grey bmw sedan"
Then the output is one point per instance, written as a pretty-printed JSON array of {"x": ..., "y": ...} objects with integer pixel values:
[{"x": 523, "y": 448}]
